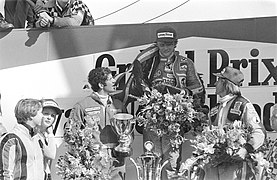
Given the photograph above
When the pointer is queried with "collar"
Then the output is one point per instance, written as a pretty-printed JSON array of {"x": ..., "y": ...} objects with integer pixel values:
[
  {"x": 59, "y": 6},
  {"x": 166, "y": 58},
  {"x": 102, "y": 99},
  {"x": 30, "y": 129},
  {"x": 226, "y": 98}
]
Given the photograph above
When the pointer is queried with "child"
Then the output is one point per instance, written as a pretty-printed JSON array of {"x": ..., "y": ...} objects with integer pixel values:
[{"x": 45, "y": 133}]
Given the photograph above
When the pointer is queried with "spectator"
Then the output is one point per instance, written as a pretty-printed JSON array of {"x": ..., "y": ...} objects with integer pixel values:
[
  {"x": 61, "y": 13},
  {"x": 4, "y": 25},
  {"x": 233, "y": 106},
  {"x": 45, "y": 134},
  {"x": 272, "y": 151},
  {"x": 17, "y": 12},
  {"x": 20, "y": 154},
  {"x": 100, "y": 106},
  {"x": 164, "y": 69}
]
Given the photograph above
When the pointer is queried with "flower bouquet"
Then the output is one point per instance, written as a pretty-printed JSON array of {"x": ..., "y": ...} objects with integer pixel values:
[
  {"x": 167, "y": 114},
  {"x": 220, "y": 145},
  {"x": 86, "y": 157}
]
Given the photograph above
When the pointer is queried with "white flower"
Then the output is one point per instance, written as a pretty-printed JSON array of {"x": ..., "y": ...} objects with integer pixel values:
[
  {"x": 168, "y": 114},
  {"x": 237, "y": 124},
  {"x": 259, "y": 157},
  {"x": 173, "y": 158},
  {"x": 187, "y": 165}
]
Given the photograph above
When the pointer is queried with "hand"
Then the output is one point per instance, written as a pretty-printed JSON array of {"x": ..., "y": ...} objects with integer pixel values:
[
  {"x": 46, "y": 20},
  {"x": 49, "y": 130},
  {"x": 44, "y": 15},
  {"x": 44, "y": 23},
  {"x": 242, "y": 153}
]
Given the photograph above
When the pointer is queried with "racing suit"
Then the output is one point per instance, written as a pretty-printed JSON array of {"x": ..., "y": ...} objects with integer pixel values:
[
  {"x": 231, "y": 108},
  {"x": 172, "y": 75},
  {"x": 93, "y": 107}
]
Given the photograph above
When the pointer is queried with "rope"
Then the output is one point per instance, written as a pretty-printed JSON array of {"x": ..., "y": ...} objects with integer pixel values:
[
  {"x": 166, "y": 12},
  {"x": 116, "y": 10}
]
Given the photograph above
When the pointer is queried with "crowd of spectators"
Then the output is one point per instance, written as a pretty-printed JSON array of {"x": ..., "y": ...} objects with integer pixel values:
[{"x": 44, "y": 13}]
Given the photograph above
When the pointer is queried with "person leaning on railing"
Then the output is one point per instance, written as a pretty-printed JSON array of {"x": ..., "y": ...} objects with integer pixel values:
[{"x": 62, "y": 13}]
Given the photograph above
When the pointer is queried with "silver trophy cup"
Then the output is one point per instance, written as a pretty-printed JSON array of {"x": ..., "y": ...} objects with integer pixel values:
[
  {"x": 123, "y": 125},
  {"x": 149, "y": 166}
]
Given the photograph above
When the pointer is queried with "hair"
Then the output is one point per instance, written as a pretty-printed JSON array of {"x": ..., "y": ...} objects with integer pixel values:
[
  {"x": 230, "y": 87},
  {"x": 27, "y": 108},
  {"x": 98, "y": 75}
]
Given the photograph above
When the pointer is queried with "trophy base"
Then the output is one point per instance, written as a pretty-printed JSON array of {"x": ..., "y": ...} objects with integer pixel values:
[{"x": 123, "y": 152}]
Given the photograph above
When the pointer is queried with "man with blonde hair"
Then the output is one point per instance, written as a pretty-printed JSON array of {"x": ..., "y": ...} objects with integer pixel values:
[
  {"x": 20, "y": 153},
  {"x": 233, "y": 106}
]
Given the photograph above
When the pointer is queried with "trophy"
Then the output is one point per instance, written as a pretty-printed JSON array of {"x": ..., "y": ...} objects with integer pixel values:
[
  {"x": 150, "y": 168},
  {"x": 123, "y": 124}
]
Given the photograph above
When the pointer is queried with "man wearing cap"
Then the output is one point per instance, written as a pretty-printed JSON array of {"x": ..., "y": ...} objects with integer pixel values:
[
  {"x": 45, "y": 134},
  {"x": 164, "y": 69},
  {"x": 233, "y": 106}
]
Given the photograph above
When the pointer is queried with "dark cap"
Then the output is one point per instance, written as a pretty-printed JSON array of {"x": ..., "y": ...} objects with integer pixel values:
[
  {"x": 231, "y": 74},
  {"x": 166, "y": 34},
  {"x": 50, "y": 103}
]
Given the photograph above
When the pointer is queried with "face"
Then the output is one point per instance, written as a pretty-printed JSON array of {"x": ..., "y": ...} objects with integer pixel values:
[
  {"x": 166, "y": 48},
  {"x": 49, "y": 116},
  {"x": 110, "y": 84},
  {"x": 219, "y": 89},
  {"x": 37, "y": 119}
]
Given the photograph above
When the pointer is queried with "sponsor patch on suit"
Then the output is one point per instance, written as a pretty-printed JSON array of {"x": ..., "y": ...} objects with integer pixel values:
[
  {"x": 93, "y": 110},
  {"x": 183, "y": 66},
  {"x": 236, "y": 109}
]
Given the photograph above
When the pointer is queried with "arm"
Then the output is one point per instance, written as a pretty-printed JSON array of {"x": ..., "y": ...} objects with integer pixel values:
[
  {"x": 30, "y": 18},
  {"x": 49, "y": 148},
  {"x": 39, "y": 7},
  {"x": 7, "y": 158},
  {"x": 251, "y": 118},
  {"x": 193, "y": 82},
  {"x": 258, "y": 135},
  {"x": 45, "y": 20},
  {"x": 74, "y": 20}
]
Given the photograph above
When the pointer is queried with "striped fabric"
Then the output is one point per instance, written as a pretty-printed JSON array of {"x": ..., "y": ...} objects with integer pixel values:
[
  {"x": 13, "y": 150},
  {"x": 21, "y": 157},
  {"x": 72, "y": 9}
]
